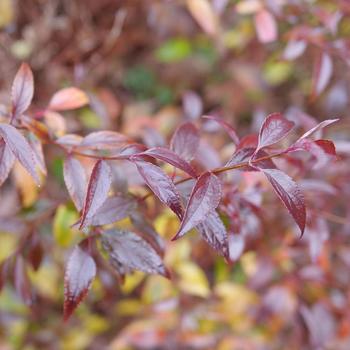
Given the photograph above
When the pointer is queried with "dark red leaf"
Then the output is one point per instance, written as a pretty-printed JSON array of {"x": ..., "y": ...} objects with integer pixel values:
[
  {"x": 172, "y": 158},
  {"x": 129, "y": 252},
  {"x": 80, "y": 271},
  {"x": 7, "y": 160},
  {"x": 112, "y": 210},
  {"x": 266, "y": 26},
  {"x": 273, "y": 129},
  {"x": 75, "y": 180},
  {"x": 318, "y": 127},
  {"x": 68, "y": 98},
  {"x": 185, "y": 141},
  {"x": 322, "y": 74},
  {"x": 249, "y": 141},
  {"x": 204, "y": 199},
  {"x": 20, "y": 148},
  {"x": 229, "y": 129},
  {"x": 244, "y": 155},
  {"x": 160, "y": 184},
  {"x": 21, "y": 281},
  {"x": 22, "y": 90},
  {"x": 97, "y": 190},
  {"x": 289, "y": 193},
  {"x": 35, "y": 252},
  {"x": 214, "y": 232}
]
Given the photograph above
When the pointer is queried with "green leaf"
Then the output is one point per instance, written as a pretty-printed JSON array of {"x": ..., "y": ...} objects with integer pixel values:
[
  {"x": 174, "y": 50},
  {"x": 64, "y": 218}
]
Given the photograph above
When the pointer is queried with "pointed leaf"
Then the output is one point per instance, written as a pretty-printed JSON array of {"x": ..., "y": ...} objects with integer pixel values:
[
  {"x": 20, "y": 148},
  {"x": 97, "y": 190},
  {"x": 204, "y": 199},
  {"x": 38, "y": 152},
  {"x": 229, "y": 129},
  {"x": 22, "y": 90},
  {"x": 273, "y": 129},
  {"x": 75, "y": 180},
  {"x": 104, "y": 140},
  {"x": 7, "y": 160},
  {"x": 185, "y": 141},
  {"x": 322, "y": 74},
  {"x": 112, "y": 210},
  {"x": 243, "y": 155},
  {"x": 172, "y": 158},
  {"x": 266, "y": 26},
  {"x": 160, "y": 184},
  {"x": 68, "y": 98},
  {"x": 80, "y": 271},
  {"x": 128, "y": 252},
  {"x": 214, "y": 232},
  {"x": 294, "y": 49},
  {"x": 318, "y": 127},
  {"x": 290, "y": 194}
]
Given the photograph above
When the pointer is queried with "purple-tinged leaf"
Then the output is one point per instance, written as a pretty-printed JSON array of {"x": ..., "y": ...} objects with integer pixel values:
[
  {"x": 35, "y": 252},
  {"x": 20, "y": 148},
  {"x": 322, "y": 150},
  {"x": 204, "y": 199},
  {"x": 172, "y": 158},
  {"x": 185, "y": 141},
  {"x": 265, "y": 26},
  {"x": 160, "y": 184},
  {"x": 229, "y": 129},
  {"x": 244, "y": 155},
  {"x": 80, "y": 271},
  {"x": 289, "y": 193},
  {"x": 21, "y": 281},
  {"x": 249, "y": 141},
  {"x": 318, "y": 127},
  {"x": 97, "y": 190},
  {"x": 6, "y": 268},
  {"x": 214, "y": 232},
  {"x": 236, "y": 244},
  {"x": 104, "y": 140},
  {"x": 322, "y": 74},
  {"x": 7, "y": 160},
  {"x": 129, "y": 252},
  {"x": 112, "y": 210},
  {"x": 273, "y": 129},
  {"x": 75, "y": 180},
  {"x": 71, "y": 140},
  {"x": 192, "y": 105},
  {"x": 294, "y": 49},
  {"x": 68, "y": 98},
  {"x": 38, "y": 152},
  {"x": 22, "y": 90}
]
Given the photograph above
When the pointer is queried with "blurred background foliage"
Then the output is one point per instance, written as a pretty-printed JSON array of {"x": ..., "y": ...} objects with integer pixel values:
[{"x": 147, "y": 66}]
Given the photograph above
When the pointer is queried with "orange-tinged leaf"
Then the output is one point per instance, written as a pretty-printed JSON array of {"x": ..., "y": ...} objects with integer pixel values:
[{"x": 68, "y": 98}]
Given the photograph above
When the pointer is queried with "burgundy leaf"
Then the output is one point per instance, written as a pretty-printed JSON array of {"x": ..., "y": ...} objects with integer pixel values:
[
  {"x": 249, "y": 141},
  {"x": 21, "y": 281},
  {"x": 266, "y": 26},
  {"x": 20, "y": 148},
  {"x": 35, "y": 252},
  {"x": 172, "y": 158},
  {"x": 160, "y": 184},
  {"x": 204, "y": 199},
  {"x": 97, "y": 190},
  {"x": 318, "y": 127},
  {"x": 22, "y": 90},
  {"x": 80, "y": 271},
  {"x": 229, "y": 129},
  {"x": 7, "y": 160},
  {"x": 289, "y": 193},
  {"x": 273, "y": 129},
  {"x": 214, "y": 232},
  {"x": 6, "y": 267},
  {"x": 322, "y": 74},
  {"x": 75, "y": 180},
  {"x": 104, "y": 140},
  {"x": 68, "y": 98},
  {"x": 112, "y": 210},
  {"x": 244, "y": 155},
  {"x": 185, "y": 141},
  {"x": 129, "y": 252}
]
